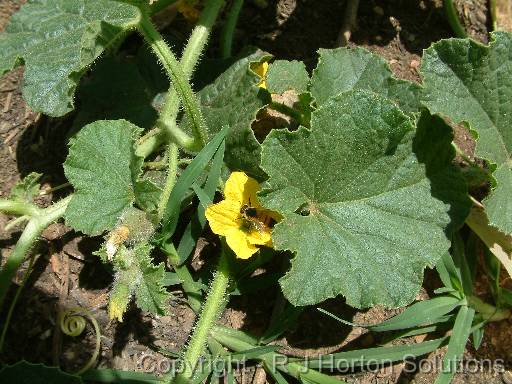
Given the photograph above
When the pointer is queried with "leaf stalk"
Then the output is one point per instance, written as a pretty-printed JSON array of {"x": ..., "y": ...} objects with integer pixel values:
[
  {"x": 40, "y": 219},
  {"x": 212, "y": 309}
]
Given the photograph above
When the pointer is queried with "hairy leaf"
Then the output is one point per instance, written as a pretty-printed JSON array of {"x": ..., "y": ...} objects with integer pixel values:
[
  {"x": 283, "y": 75},
  {"x": 233, "y": 100},
  {"x": 360, "y": 209},
  {"x": 137, "y": 276},
  {"x": 57, "y": 40},
  {"x": 472, "y": 83},
  {"x": 25, "y": 190},
  {"x": 344, "y": 69},
  {"x": 103, "y": 168}
]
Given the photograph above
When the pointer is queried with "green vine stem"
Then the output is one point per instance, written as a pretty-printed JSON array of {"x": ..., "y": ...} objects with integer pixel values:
[
  {"x": 453, "y": 19},
  {"x": 167, "y": 122},
  {"x": 488, "y": 311},
  {"x": 172, "y": 169},
  {"x": 226, "y": 42},
  {"x": 494, "y": 16},
  {"x": 180, "y": 84},
  {"x": 40, "y": 219},
  {"x": 291, "y": 112},
  {"x": 19, "y": 208},
  {"x": 212, "y": 309},
  {"x": 13, "y": 303},
  {"x": 72, "y": 323}
]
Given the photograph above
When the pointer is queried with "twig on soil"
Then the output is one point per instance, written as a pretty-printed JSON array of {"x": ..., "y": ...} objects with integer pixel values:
[
  {"x": 7, "y": 103},
  {"x": 349, "y": 23}
]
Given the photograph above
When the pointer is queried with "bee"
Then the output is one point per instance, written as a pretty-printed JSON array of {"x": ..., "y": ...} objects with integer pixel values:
[
  {"x": 117, "y": 237},
  {"x": 255, "y": 219}
]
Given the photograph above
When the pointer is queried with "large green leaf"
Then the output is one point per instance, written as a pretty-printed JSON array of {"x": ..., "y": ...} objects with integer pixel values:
[
  {"x": 103, "y": 168},
  {"x": 472, "y": 83},
  {"x": 233, "y": 100},
  {"x": 356, "y": 194},
  {"x": 57, "y": 40},
  {"x": 344, "y": 69}
]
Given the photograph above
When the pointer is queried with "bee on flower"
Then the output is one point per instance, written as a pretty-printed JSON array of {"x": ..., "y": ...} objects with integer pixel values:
[{"x": 240, "y": 218}]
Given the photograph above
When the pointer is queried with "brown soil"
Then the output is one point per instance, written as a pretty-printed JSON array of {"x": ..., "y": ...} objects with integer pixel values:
[{"x": 67, "y": 275}]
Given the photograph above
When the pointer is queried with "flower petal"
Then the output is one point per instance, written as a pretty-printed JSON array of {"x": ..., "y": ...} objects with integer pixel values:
[
  {"x": 237, "y": 241},
  {"x": 259, "y": 238},
  {"x": 242, "y": 189},
  {"x": 223, "y": 217}
]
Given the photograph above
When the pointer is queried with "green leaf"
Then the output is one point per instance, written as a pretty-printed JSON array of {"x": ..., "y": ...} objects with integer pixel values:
[
  {"x": 188, "y": 177},
  {"x": 147, "y": 195},
  {"x": 198, "y": 221},
  {"x": 233, "y": 100},
  {"x": 137, "y": 276},
  {"x": 28, "y": 373},
  {"x": 57, "y": 40},
  {"x": 103, "y": 168},
  {"x": 357, "y": 204},
  {"x": 344, "y": 69},
  {"x": 25, "y": 190},
  {"x": 472, "y": 83},
  {"x": 283, "y": 75},
  {"x": 457, "y": 344}
]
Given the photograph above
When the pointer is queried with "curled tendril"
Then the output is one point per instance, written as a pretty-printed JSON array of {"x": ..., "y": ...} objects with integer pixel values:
[{"x": 72, "y": 322}]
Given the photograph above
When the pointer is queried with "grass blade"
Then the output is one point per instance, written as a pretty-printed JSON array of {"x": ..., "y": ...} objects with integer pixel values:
[
  {"x": 458, "y": 340},
  {"x": 351, "y": 359},
  {"x": 198, "y": 221},
  {"x": 421, "y": 313},
  {"x": 189, "y": 177}
]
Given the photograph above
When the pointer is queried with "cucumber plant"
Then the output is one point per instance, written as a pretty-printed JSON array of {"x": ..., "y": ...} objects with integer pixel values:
[{"x": 360, "y": 190}]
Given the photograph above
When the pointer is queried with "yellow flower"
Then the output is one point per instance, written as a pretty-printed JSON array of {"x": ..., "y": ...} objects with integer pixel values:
[
  {"x": 240, "y": 217},
  {"x": 188, "y": 9},
  {"x": 261, "y": 70}
]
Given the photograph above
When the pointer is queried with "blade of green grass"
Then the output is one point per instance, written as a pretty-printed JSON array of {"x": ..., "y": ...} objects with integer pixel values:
[
  {"x": 378, "y": 355},
  {"x": 198, "y": 221},
  {"x": 459, "y": 258},
  {"x": 458, "y": 340},
  {"x": 187, "y": 178},
  {"x": 421, "y": 313}
]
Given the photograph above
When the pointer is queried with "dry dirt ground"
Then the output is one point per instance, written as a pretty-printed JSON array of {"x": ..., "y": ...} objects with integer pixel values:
[{"x": 67, "y": 275}]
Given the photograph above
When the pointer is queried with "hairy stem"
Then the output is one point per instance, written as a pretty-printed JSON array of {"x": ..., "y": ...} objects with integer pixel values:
[
  {"x": 170, "y": 180},
  {"x": 19, "y": 208},
  {"x": 453, "y": 19},
  {"x": 35, "y": 226},
  {"x": 168, "y": 129},
  {"x": 226, "y": 42},
  {"x": 210, "y": 313},
  {"x": 179, "y": 81}
]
